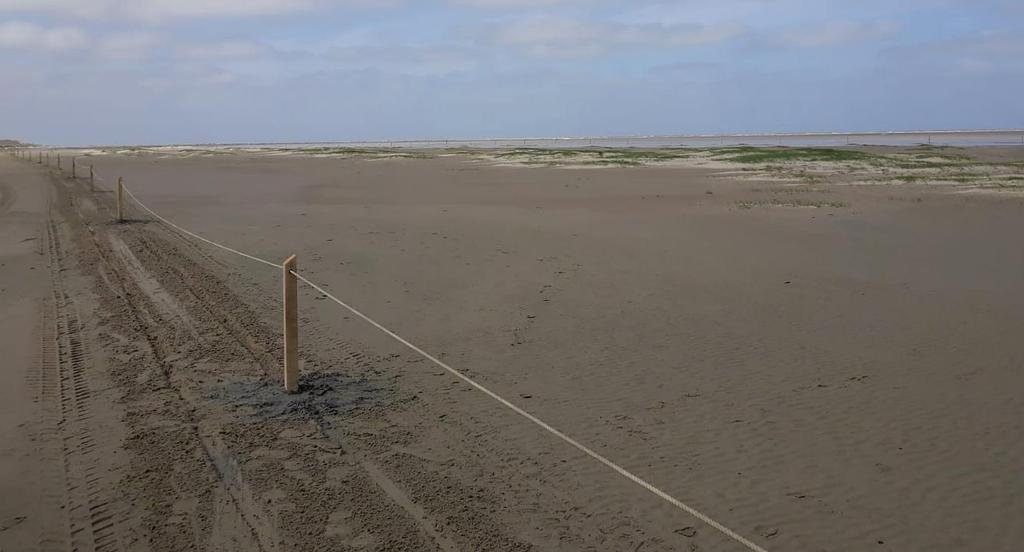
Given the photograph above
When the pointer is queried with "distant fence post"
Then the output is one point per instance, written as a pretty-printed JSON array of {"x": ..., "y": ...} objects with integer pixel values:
[
  {"x": 74, "y": 168},
  {"x": 291, "y": 325},
  {"x": 120, "y": 199},
  {"x": 92, "y": 180},
  {"x": 58, "y": 160}
]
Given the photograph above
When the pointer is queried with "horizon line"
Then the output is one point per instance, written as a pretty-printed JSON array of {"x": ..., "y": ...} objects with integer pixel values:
[{"x": 554, "y": 138}]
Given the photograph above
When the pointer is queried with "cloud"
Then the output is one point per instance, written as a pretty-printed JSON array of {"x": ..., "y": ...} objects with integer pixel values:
[
  {"x": 836, "y": 32},
  {"x": 133, "y": 45},
  {"x": 568, "y": 37},
  {"x": 420, "y": 60},
  {"x": 157, "y": 10},
  {"x": 693, "y": 11},
  {"x": 515, "y": 3},
  {"x": 29, "y": 36},
  {"x": 188, "y": 79},
  {"x": 1000, "y": 44},
  {"x": 228, "y": 49},
  {"x": 982, "y": 53}
]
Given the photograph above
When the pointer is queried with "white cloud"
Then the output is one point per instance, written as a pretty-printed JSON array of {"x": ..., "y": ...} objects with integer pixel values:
[
  {"x": 407, "y": 59},
  {"x": 165, "y": 9},
  {"x": 836, "y": 32},
  {"x": 515, "y": 3},
  {"x": 984, "y": 53},
  {"x": 228, "y": 49},
  {"x": 694, "y": 11},
  {"x": 547, "y": 36},
  {"x": 132, "y": 45},
  {"x": 181, "y": 79},
  {"x": 997, "y": 44},
  {"x": 29, "y": 36},
  {"x": 567, "y": 37},
  {"x": 157, "y": 10}
]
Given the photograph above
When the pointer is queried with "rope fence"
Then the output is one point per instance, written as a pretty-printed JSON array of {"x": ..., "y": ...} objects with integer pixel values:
[{"x": 290, "y": 275}]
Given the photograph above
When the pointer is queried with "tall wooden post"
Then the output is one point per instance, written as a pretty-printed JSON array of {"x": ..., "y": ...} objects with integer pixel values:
[
  {"x": 120, "y": 199},
  {"x": 58, "y": 160},
  {"x": 74, "y": 168},
  {"x": 291, "y": 325},
  {"x": 92, "y": 180}
]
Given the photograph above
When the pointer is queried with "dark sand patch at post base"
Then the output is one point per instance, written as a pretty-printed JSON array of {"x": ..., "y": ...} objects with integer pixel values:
[{"x": 817, "y": 365}]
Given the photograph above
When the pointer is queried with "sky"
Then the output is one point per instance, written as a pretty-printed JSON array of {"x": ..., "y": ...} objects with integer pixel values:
[{"x": 80, "y": 72}]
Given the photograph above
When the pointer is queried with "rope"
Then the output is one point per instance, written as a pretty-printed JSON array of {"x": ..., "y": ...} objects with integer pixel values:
[
  {"x": 544, "y": 425},
  {"x": 622, "y": 471},
  {"x": 194, "y": 235}
]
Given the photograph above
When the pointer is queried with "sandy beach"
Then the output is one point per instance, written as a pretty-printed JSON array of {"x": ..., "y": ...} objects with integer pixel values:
[{"x": 821, "y": 351}]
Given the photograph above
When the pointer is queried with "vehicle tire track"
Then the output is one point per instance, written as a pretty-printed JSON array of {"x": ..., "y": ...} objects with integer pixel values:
[
  {"x": 156, "y": 326},
  {"x": 50, "y": 475},
  {"x": 93, "y": 517}
]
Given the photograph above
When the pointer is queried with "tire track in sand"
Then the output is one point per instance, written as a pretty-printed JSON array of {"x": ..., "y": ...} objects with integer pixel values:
[{"x": 93, "y": 518}]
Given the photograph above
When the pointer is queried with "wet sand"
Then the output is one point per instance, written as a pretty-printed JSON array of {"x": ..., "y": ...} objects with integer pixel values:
[{"x": 826, "y": 367}]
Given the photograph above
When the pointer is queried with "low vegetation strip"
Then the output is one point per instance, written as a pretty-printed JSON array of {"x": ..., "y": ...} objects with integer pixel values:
[
  {"x": 789, "y": 203},
  {"x": 925, "y": 165},
  {"x": 750, "y": 154}
]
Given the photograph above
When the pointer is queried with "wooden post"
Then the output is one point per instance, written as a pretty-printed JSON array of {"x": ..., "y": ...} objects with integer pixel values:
[
  {"x": 74, "y": 168},
  {"x": 58, "y": 160},
  {"x": 92, "y": 180},
  {"x": 291, "y": 325},
  {"x": 120, "y": 199}
]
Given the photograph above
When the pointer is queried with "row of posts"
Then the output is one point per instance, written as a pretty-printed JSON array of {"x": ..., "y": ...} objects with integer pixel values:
[
  {"x": 24, "y": 154},
  {"x": 288, "y": 268}
]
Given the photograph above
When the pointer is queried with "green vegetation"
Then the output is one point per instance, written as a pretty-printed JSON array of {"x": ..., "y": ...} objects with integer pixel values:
[
  {"x": 750, "y": 154},
  {"x": 961, "y": 178},
  {"x": 792, "y": 190},
  {"x": 943, "y": 156},
  {"x": 789, "y": 203},
  {"x": 592, "y": 156},
  {"x": 361, "y": 152},
  {"x": 204, "y": 152}
]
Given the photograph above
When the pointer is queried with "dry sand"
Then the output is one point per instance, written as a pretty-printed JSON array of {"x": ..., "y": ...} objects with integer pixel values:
[{"x": 816, "y": 364}]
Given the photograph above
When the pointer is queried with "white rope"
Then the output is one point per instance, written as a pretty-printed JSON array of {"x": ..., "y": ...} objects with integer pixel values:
[
  {"x": 544, "y": 425},
  {"x": 197, "y": 236},
  {"x": 622, "y": 471}
]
